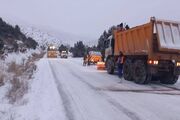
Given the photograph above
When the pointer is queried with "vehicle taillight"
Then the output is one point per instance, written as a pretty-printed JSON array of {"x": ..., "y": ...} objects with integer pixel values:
[
  {"x": 150, "y": 61},
  {"x": 153, "y": 62},
  {"x": 178, "y": 64},
  {"x": 100, "y": 63}
]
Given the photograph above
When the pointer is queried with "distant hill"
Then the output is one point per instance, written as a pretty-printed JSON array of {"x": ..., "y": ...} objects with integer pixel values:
[
  {"x": 49, "y": 36},
  {"x": 13, "y": 40}
]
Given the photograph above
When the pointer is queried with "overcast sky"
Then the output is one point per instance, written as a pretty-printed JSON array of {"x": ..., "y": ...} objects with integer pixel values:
[{"x": 87, "y": 17}]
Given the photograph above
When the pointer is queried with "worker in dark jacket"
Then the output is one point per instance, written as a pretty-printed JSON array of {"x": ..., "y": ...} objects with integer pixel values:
[
  {"x": 120, "y": 64},
  {"x": 127, "y": 27},
  {"x": 88, "y": 59},
  {"x": 84, "y": 60}
]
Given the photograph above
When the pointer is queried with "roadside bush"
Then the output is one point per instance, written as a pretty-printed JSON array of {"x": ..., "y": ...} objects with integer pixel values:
[
  {"x": 1, "y": 45},
  {"x": 16, "y": 69},
  {"x": 30, "y": 43},
  {"x": 1, "y": 79},
  {"x": 12, "y": 67},
  {"x": 18, "y": 89},
  {"x": 21, "y": 74}
]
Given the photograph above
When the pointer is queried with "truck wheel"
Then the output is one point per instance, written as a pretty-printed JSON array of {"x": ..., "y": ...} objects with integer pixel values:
[
  {"x": 148, "y": 79},
  {"x": 140, "y": 73},
  {"x": 110, "y": 66},
  {"x": 169, "y": 78},
  {"x": 127, "y": 70}
]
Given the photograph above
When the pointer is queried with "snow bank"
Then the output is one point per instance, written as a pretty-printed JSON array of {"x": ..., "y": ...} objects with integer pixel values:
[
  {"x": 19, "y": 58},
  {"x": 7, "y": 110},
  {"x": 44, "y": 102}
]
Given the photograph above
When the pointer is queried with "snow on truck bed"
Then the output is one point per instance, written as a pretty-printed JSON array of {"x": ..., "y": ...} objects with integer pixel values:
[
  {"x": 169, "y": 34},
  {"x": 65, "y": 90}
]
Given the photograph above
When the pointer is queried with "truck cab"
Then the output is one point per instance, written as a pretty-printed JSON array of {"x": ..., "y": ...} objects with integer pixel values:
[
  {"x": 109, "y": 46},
  {"x": 94, "y": 57}
]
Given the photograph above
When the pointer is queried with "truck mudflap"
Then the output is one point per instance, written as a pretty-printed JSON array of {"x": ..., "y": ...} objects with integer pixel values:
[{"x": 177, "y": 71}]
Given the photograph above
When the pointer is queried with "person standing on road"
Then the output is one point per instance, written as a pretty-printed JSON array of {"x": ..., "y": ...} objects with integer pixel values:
[
  {"x": 120, "y": 64},
  {"x": 84, "y": 60},
  {"x": 88, "y": 59}
]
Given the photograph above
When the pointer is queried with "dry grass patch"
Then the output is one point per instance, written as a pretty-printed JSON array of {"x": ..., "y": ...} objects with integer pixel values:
[
  {"x": 21, "y": 74},
  {"x": 16, "y": 68},
  {"x": 12, "y": 67},
  {"x": 18, "y": 90},
  {"x": 36, "y": 56}
]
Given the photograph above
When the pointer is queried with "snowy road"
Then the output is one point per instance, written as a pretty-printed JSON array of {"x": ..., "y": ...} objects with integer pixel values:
[{"x": 65, "y": 90}]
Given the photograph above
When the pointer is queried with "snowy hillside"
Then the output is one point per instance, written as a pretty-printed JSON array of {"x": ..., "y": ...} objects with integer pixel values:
[{"x": 45, "y": 37}]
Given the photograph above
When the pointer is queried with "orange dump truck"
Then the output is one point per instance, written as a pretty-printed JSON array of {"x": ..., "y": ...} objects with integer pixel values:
[{"x": 151, "y": 51}]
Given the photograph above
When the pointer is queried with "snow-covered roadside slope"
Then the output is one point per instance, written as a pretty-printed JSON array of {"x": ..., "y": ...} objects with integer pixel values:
[
  {"x": 44, "y": 102},
  {"x": 7, "y": 109},
  {"x": 20, "y": 57}
]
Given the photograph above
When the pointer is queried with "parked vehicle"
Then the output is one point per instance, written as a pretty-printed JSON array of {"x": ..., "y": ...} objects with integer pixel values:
[
  {"x": 150, "y": 51},
  {"x": 94, "y": 57},
  {"x": 64, "y": 54}
]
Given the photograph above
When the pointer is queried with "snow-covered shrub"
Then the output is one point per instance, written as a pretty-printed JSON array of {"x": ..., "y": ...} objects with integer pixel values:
[
  {"x": 21, "y": 74},
  {"x": 2, "y": 79}
]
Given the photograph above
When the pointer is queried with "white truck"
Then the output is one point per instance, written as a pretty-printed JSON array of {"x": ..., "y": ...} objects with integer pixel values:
[{"x": 64, "y": 54}]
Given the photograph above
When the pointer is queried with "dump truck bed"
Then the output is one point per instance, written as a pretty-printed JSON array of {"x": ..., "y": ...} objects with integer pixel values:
[
  {"x": 168, "y": 35},
  {"x": 158, "y": 39}
]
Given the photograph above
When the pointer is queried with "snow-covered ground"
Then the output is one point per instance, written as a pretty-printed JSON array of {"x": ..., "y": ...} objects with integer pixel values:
[{"x": 65, "y": 90}]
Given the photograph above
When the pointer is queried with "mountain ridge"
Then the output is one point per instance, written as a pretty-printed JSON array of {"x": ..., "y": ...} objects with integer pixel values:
[{"x": 49, "y": 36}]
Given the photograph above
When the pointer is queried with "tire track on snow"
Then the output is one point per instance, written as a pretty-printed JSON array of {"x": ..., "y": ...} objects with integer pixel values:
[
  {"x": 127, "y": 112},
  {"x": 65, "y": 99}
]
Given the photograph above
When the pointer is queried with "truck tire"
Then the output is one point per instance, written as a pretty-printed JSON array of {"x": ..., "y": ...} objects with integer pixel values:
[
  {"x": 127, "y": 70},
  {"x": 110, "y": 66},
  {"x": 140, "y": 72},
  {"x": 169, "y": 78},
  {"x": 148, "y": 79}
]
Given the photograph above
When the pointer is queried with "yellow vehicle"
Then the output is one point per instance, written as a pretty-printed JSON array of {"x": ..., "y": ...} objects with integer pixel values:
[
  {"x": 101, "y": 65},
  {"x": 94, "y": 57},
  {"x": 52, "y": 52}
]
